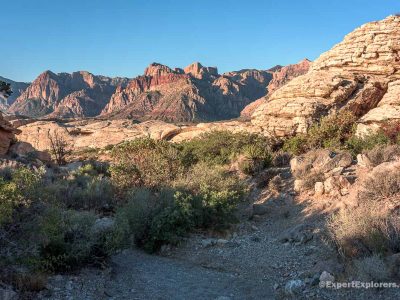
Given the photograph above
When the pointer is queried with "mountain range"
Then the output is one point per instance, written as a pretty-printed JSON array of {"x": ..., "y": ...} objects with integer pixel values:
[{"x": 195, "y": 93}]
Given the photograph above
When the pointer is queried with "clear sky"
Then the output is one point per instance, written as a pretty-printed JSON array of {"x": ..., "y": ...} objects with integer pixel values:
[{"x": 121, "y": 37}]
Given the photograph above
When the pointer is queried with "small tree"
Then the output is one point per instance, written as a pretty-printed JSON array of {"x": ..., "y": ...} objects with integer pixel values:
[
  {"x": 58, "y": 147},
  {"x": 5, "y": 89}
]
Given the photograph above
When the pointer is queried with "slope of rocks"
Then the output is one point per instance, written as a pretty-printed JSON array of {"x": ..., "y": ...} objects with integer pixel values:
[
  {"x": 355, "y": 74},
  {"x": 66, "y": 95},
  {"x": 195, "y": 93}
]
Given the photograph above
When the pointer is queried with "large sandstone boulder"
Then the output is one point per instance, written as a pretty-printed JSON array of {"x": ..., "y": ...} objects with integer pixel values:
[
  {"x": 93, "y": 133},
  {"x": 354, "y": 75},
  {"x": 7, "y": 135}
]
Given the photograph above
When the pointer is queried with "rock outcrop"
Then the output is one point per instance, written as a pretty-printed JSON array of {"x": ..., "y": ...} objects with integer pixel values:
[
  {"x": 90, "y": 133},
  {"x": 7, "y": 135},
  {"x": 354, "y": 75},
  {"x": 280, "y": 76},
  {"x": 63, "y": 95},
  {"x": 196, "y": 93}
]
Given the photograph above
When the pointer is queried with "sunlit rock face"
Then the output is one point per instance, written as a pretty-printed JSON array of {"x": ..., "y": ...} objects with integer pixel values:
[{"x": 358, "y": 74}]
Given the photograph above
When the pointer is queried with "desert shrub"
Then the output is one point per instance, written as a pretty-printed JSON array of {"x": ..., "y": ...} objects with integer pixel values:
[
  {"x": 254, "y": 159},
  {"x": 391, "y": 130},
  {"x": 357, "y": 145},
  {"x": 81, "y": 189},
  {"x": 371, "y": 268},
  {"x": 296, "y": 145},
  {"x": 365, "y": 231},
  {"x": 219, "y": 147},
  {"x": 147, "y": 162},
  {"x": 67, "y": 240},
  {"x": 331, "y": 132},
  {"x": 20, "y": 190},
  {"x": 155, "y": 219},
  {"x": 202, "y": 176},
  {"x": 382, "y": 186},
  {"x": 281, "y": 159},
  {"x": 203, "y": 198},
  {"x": 383, "y": 153}
]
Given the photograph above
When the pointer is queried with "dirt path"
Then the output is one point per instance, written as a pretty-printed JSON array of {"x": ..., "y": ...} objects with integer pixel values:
[{"x": 256, "y": 261}]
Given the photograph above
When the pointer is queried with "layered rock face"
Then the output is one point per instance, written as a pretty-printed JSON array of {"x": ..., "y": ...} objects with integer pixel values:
[
  {"x": 7, "y": 135},
  {"x": 194, "y": 94},
  {"x": 280, "y": 76},
  {"x": 357, "y": 74},
  {"x": 17, "y": 89},
  {"x": 66, "y": 95}
]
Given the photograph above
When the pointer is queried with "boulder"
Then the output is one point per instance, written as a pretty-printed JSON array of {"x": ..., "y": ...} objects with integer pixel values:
[
  {"x": 26, "y": 149},
  {"x": 7, "y": 135}
]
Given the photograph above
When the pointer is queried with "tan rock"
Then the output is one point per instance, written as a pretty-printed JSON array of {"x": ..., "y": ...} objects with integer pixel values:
[
  {"x": 354, "y": 75},
  {"x": 7, "y": 135},
  {"x": 319, "y": 188}
]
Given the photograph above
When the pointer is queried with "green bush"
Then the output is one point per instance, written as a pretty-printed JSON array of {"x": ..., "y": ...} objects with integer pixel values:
[
  {"x": 203, "y": 198},
  {"x": 357, "y": 145},
  {"x": 331, "y": 132},
  {"x": 67, "y": 240},
  {"x": 219, "y": 147},
  {"x": 147, "y": 162},
  {"x": 20, "y": 190},
  {"x": 81, "y": 189}
]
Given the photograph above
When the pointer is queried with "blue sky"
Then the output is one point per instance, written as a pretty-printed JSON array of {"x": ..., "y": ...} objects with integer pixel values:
[{"x": 121, "y": 37}]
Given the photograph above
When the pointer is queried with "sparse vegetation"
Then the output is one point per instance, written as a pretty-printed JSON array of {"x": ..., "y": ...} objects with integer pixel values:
[{"x": 58, "y": 147}]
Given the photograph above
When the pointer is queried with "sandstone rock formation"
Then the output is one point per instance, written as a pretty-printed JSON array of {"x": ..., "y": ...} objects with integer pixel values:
[
  {"x": 90, "y": 133},
  {"x": 280, "y": 76},
  {"x": 66, "y": 95},
  {"x": 355, "y": 75},
  {"x": 7, "y": 135},
  {"x": 194, "y": 94}
]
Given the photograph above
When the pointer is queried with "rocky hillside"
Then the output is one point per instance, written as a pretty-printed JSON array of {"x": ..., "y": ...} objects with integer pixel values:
[
  {"x": 17, "y": 88},
  {"x": 361, "y": 73},
  {"x": 80, "y": 94},
  {"x": 191, "y": 94},
  {"x": 280, "y": 76}
]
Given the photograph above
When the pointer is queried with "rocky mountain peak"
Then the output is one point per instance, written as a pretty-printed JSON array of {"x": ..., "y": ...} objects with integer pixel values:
[
  {"x": 156, "y": 69},
  {"x": 197, "y": 70}
]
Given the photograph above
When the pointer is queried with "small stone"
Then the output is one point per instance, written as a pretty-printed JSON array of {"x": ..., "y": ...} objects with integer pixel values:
[
  {"x": 254, "y": 227},
  {"x": 319, "y": 188},
  {"x": 276, "y": 286},
  {"x": 294, "y": 287},
  {"x": 221, "y": 242},
  {"x": 298, "y": 185},
  {"x": 326, "y": 277},
  {"x": 207, "y": 243},
  {"x": 257, "y": 218}
]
